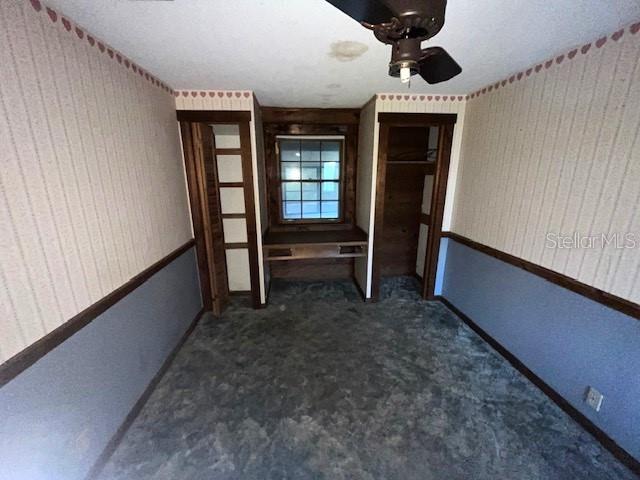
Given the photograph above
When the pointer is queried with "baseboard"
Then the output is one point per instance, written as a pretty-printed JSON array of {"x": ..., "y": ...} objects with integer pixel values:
[
  {"x": 602, "y": 437},
  {"x": 115, "y": 440}
]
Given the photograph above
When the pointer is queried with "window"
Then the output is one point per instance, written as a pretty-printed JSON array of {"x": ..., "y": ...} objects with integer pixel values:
[{"x": 310, "y": 177}]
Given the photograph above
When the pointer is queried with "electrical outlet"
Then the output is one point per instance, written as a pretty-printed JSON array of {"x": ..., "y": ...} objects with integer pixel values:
[{"x": 594, "y": 398}]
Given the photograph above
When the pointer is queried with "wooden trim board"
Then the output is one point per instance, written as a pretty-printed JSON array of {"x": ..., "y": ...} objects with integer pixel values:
[
  {"x": 250, "y": 212},
  {"x": 436, "y": 214},
  {"x": 607, "y": 299},
  {"x": 406, "y": 119},
  {"x": 383, "y": 140},
  {"x": 311, "y": 116},
  {"x": 193, "y": 174},
  {"x": 446, "y": 124},
  {"x": 213, "y": 116}
]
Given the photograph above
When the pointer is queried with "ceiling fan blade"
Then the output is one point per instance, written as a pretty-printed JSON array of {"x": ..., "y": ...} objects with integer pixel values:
[
  {"x": 368, "y": 11},
  {"x": 436, "y": 65}
]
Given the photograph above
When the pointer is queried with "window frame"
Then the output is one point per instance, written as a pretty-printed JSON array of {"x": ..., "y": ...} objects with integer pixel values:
[{"x": 341, "y": 181}]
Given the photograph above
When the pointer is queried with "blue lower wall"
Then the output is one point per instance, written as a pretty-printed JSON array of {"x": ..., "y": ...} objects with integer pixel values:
[
  {"x": 58, "y": 415},
  {"x": 566, "y": 339}
]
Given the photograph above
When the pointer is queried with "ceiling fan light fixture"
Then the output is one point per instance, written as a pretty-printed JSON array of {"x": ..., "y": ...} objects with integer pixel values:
[
  {"x": 404, "y": 69},
  {"x": 405, "y": 74},
  {"x": 405, "y": 24}
]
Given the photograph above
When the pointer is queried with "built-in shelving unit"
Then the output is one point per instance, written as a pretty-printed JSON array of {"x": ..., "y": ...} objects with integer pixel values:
[{"x": 279, "y": 246}]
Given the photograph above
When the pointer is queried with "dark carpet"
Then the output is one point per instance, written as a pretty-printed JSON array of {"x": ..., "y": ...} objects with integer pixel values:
[{"x": 320, "y": 385}]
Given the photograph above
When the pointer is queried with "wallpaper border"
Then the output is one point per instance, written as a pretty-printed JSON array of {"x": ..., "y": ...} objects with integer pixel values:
[
  {"x": 214, "y": 93},
  {"x": 633, "y": 29},
  {"x": 420, "y": 98},
  {"x": 101, "y": 46}
]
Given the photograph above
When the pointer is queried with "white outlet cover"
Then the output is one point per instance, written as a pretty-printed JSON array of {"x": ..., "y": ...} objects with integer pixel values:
[{"x": 594, "y": 398}]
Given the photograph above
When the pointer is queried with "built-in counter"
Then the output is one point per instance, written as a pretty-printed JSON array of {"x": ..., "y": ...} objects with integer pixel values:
[{"x": 279, "y": 246}]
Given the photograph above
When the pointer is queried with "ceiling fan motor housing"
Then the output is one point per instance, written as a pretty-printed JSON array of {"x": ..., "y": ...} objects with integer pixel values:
[
  {"x": 405, "y": 52},
  {"x": 405, "y": 24}
]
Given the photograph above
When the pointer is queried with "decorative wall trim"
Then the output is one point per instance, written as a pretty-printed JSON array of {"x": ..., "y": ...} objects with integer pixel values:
[
  {"x": 592, "y": 293},
  {"x": 214, "y": 99},
  {"x": 633, "y": 29},
  {"x": 101, "y": 48},
  {"x": 213, "y": 93},
  {"x": 605, "y": 440},
  {"x": 421, "y": 97},
  {"x": 117, "y": 437},
  {"x": 27, "y": 357}
]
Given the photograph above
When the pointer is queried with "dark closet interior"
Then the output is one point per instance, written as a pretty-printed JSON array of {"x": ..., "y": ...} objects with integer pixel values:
[{"x": 411, "y": 157}]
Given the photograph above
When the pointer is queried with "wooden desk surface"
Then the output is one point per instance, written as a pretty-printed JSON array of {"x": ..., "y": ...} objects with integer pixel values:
[{"x": 355, "y": 236}]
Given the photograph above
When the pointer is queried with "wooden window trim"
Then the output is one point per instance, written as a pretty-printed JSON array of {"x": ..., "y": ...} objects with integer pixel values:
[{"x": 313, "y": 122}]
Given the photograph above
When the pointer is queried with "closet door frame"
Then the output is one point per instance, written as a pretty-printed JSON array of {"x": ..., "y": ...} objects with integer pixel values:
[
  {"x": 445, "y": 123},
  {"x": 208, "y": 234}
]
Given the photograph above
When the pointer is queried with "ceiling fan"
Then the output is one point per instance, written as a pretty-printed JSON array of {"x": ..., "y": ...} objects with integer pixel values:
[{"x": 405, "y": 24}]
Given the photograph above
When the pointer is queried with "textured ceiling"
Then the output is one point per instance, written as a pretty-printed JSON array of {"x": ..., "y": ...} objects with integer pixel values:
[{"x": 306, "y": 53}]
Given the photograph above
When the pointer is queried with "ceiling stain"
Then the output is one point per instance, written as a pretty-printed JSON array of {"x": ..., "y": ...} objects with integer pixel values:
[
  {"x": 347, "y": 50},
  {"x": 333, "y": 86}
]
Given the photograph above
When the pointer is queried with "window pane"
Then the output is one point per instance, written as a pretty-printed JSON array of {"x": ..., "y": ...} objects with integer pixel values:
[
  {"x": 292, "y": 210},
  {"x": 310, "y": 209},
  {"x": 310, "y": 171},
  {"x": 310, "y": 151},
  {"x": 330, "y": 210},
  {"x": 290, "y": 171},
  {"x": 330, "y": 151},
  {"x": 310, "y": 191},
  {"x": 290, "y": 150},
  {"x": 331, "y": 171},
  {"x": 330, "y": 190},
  {"x": 226, "y": 135},
  {"x": 291, "y": 190}
]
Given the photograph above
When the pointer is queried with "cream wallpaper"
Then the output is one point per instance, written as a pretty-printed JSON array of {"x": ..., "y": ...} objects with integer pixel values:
[
  {"x": 91, "y": 186},
  {"x": 555, "y": 150}
]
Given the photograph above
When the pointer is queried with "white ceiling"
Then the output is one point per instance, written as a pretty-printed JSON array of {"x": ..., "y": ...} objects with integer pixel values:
[{"x": 288, "y": 51}]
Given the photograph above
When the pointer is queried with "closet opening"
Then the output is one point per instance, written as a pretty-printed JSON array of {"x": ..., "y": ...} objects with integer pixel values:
[{"x": 413, "y": 163}]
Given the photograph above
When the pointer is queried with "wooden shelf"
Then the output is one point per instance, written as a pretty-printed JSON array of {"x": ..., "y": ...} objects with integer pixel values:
[{"x": 279, "y": 246}]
